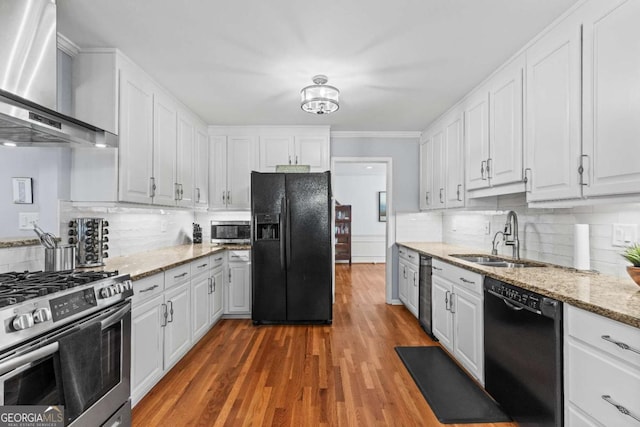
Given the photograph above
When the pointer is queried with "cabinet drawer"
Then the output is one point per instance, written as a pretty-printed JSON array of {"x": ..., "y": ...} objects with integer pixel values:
[
  {"x": 200, "y": 266},
  {"x": 594, "y": 377},
  {"x": 217, "y": 260},
  {"x": 467, "y": 279},
  {"x": 239, "y": 256},
  {"x": 177, "y": 275},
  {"x": 146, "y": 288},
  {"x": 411, "y": 256},
  {"x": 603, "y": 333}
]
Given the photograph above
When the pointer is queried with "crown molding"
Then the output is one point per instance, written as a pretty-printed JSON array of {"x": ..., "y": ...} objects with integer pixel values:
[
  {"x": 67, "y": 46},
  {"x": 376, "y": 134}
]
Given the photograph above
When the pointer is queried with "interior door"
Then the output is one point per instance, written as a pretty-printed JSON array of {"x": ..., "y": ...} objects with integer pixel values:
[{"x": 308, "y": 247}]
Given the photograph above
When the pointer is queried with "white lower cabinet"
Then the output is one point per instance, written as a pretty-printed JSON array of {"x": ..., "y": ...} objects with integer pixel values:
[
  {"x": 457, "y": 310},
  {"x": 171, "y": 312},
  {"x": 238, "y": 295},
  {"x": 408, "y": 263},
  {"x": 602, "y": 370}
]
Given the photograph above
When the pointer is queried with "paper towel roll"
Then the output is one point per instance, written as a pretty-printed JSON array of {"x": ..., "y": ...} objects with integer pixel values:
[{"x": 581, "y": 247}]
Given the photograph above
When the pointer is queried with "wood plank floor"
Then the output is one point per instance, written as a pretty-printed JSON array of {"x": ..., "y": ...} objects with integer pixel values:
[{"x": 346, "y": 374}]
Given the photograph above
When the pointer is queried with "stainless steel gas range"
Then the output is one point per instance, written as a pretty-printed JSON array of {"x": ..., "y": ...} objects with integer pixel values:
[{"x": 65, "y": 341}]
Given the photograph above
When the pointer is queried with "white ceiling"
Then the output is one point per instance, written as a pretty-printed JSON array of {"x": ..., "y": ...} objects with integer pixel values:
[{"x": 398, "y": 63}]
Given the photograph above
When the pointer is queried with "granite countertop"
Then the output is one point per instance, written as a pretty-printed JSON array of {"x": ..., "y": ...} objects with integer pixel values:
[
  {"x": 15, "y": 242},
  {"x": 617, "y": 299},
  {"x": 145, "y": 264}
]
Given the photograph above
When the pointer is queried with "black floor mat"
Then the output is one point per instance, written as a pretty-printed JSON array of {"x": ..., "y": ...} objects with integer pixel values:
[{"x": 451, "y": 394}]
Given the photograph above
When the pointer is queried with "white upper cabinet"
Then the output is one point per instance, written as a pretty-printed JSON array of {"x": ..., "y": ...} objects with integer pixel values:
[
  {"x": 493, "y": 131},
  {"x": 184, "y": 161},
  {"x": 274, "y": 151},
  {"x": 201, "y": 168},
  {"x": 505, "y": 130},
  {"x": 438, "y": 165},
  {"x": 553, "y": 114},
  {"x": 611, "y": 98},
  {"x": 476, "y": 134},
  {"x": 291, "y": 146},
  {"x": 164, "y": 150},
  {"x": 157, "y": 134},
  {"x": 426, "y": 173},
  {"x": 232, "y": 160},
  {"x": 454, "y": 154},
  {"x": 136, "y": 138}
]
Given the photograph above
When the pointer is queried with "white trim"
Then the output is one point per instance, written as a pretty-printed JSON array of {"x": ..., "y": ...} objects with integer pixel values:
[
  {"x": 67, "y": 46},
  {"x": 390, "y": 237},
  {"x": 376, "y": 134}
]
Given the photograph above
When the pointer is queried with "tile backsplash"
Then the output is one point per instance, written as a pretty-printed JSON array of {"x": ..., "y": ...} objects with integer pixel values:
[{"x": 545, "y": 234}]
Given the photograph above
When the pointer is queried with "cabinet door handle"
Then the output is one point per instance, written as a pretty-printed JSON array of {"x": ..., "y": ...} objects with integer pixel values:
[
  {"x": 152, "y": 187},
  {"x": 441, "y": 190},
  {"x": 489, "y": 167},
  {"x": 213, "y": 279},
  {"x": 436, "y": 268},
  {"x": 446, "y": 300},
  {"x": 202, "y": 265},
  {"x": 451, "y": 303},
  {"x": 527, "y": 180},
  {"x": 620, "y": 344},
  {"x": 415, "y": 281},
  {"x": 170, "y": 311},
  {"x": 426, "y": 198},
  {"x": 229, "y": 197},
  {"x": 404, "y": 272},
  {"x": 224, "y": 199},
  {"x": 218, "y": 259},
  {"x": 150, "y": 288},
  {"x": 458, "y": 192},
  {"x": 176, "y": 188},
  {"x": 198, "y": 194},
  {"x": 289, "y": 159},
  {"x": 482, "y": 169},
  {"x": 164, "y": 315},
  {"x": 583, "y": 170},
  {"x": 229, "y": 276},
  {"x": 180, "y": 275},
  {"x": 619, "y": 407},
  {"x": 467, "y": 281},
  {"x": 209, "y": 285},
  {"x": 296, "y": 160}
]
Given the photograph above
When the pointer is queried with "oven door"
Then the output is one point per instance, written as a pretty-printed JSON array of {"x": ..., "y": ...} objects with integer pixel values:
[{"x": 31, "y": 374}]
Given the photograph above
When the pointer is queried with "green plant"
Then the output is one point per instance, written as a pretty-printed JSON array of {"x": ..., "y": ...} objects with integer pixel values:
[{"x": 632, "y": 254}]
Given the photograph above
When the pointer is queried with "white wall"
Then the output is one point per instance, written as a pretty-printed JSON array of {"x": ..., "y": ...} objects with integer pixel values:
[
  {"x": 546, "y": 234},
  {"x": 49, "y": 170},
  {"x": 352, "y": 187}
]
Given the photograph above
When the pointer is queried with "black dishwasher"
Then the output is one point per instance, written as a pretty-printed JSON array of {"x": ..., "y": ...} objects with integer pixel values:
[
  {"x": 424, "y": 295},
  {"x": 523, "y": 353}
]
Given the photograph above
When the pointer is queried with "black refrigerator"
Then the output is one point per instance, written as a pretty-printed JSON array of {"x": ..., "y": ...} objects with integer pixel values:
[{"x": 291, "y": 254}]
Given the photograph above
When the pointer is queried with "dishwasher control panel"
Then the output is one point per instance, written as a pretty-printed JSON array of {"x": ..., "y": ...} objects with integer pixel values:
[{"x": 521, "y": 296}]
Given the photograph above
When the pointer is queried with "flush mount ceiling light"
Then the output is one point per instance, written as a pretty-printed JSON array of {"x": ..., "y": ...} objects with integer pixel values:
[{"x": 319, "y": 98}]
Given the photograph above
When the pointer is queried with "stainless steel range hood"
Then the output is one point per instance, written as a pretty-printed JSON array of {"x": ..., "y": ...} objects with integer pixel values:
[{"x": 28, "y": 79}]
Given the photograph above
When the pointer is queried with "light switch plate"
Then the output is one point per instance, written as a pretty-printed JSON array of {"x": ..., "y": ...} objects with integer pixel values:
[
  {"x": 624, "y": 234},
  {"x": 27, "y": 219}
]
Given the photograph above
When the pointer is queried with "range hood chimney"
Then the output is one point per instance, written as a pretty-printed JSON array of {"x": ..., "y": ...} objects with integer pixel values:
[{"x": 28, "y": 79}]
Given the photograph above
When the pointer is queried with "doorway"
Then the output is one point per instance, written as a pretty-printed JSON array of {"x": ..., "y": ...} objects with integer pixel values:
[{"x": 365, "y": 184}]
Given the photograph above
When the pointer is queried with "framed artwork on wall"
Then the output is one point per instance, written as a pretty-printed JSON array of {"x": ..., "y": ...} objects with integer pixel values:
[{"x": 382, "y": 206}]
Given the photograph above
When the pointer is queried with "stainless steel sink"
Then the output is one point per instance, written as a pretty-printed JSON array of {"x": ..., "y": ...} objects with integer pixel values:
[{"x": 491, "y": 261}]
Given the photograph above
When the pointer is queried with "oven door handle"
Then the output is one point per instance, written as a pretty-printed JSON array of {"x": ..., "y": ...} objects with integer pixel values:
[
  {"x": 25, "y": 359},
  {"x": 115, "y": 317}
]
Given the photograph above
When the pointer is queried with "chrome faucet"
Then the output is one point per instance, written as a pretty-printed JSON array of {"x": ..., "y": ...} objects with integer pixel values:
[
  {"x": 510, "y": 235},
  {"x": 494, "y": 247}
]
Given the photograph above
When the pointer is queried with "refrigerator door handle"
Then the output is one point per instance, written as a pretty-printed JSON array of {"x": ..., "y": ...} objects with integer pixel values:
[
  {"x": 282, "y": 232},
  {"x": 288, "y": 231}
]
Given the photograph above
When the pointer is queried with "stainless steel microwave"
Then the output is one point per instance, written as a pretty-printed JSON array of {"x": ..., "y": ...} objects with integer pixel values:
[{"x": 231, "y": 232}]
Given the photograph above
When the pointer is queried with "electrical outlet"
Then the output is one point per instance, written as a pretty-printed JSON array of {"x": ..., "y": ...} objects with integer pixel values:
[
  {"x": 624, "y": 234},
  {"x": 163, "y": 226},
  {"x": 27, "y": 219}
]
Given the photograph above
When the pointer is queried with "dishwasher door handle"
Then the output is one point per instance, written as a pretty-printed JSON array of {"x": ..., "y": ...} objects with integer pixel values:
[{"x": 513, "y": 305}]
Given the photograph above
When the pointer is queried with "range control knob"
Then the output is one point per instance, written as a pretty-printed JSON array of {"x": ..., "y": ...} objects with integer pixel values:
[
  {"x": 127, "y": 285},
  {"x": 119, "y": 288},
  {"x": 107, "y": 292},
  {"x": 23, "y": 321},
  {"x": 41, "y": 315}
]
